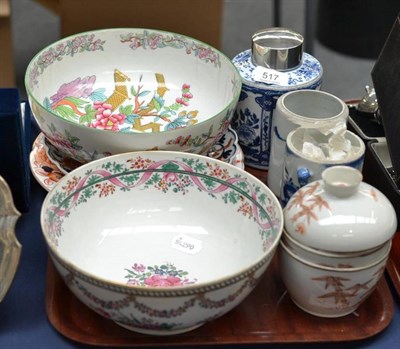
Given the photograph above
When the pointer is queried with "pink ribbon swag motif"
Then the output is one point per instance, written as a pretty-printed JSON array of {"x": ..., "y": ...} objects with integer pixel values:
[{"x": 171, "y": 169}]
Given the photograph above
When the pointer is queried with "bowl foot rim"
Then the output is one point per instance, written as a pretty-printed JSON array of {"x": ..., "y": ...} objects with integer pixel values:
[{"x": 158, "y": 332}]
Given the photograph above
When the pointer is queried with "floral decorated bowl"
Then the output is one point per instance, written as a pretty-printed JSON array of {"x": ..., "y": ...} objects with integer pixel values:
[
  {"x": 161, "y": 242},
  {"x": 111, "y": 91}
]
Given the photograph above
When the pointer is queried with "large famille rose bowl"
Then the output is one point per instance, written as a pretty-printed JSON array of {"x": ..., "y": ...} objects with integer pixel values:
[
  {"x": 161, "y": 242},
  {"x": 112, "y": 91}
]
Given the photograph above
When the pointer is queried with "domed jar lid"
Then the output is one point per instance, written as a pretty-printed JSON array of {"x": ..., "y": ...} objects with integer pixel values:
[{"x": 340, "y": 213}]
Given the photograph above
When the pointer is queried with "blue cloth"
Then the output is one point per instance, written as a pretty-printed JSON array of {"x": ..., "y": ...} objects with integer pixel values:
[{"x": 15, "y": 146}]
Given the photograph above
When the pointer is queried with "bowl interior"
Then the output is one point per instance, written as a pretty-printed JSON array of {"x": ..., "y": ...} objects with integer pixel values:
[
  {"x": 161, "y": 219},
  {"x": 168, "y": 80}
]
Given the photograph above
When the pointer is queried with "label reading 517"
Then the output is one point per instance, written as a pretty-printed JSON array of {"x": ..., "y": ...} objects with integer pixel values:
[{"x": 270, "y": 76}]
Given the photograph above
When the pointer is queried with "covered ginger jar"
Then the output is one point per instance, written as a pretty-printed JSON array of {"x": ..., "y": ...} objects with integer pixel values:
[{"x": 336, "y": 242}]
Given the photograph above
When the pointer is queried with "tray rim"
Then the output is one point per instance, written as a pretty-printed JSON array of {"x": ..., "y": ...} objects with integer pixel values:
[
  {"x": 79, "y": 335},
  {"x": 393, "y": 264}
]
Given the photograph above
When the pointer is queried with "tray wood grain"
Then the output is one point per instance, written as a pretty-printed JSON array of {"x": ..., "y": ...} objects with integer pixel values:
[{"x": 267, "y": 315}]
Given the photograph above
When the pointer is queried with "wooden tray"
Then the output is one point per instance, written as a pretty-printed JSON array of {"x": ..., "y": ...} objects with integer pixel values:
[
  {"x": 393, "y": 264},
  {"x": 266, "y": 316}
]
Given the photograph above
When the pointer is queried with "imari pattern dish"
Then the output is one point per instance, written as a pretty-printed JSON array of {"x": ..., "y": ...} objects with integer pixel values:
[
  {"x": 48, "y": 165},
  {"x": 111, "y": 91},
  {"x": 161, "y": 242},
  {"x": 227, "y": 148}
]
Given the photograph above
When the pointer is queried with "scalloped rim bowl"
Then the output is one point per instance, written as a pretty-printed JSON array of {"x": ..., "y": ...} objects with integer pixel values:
[
  {"x": 161, "y": 242},
  {"x": 111, "y": 91},
  {"x": 10, "y": 248}
]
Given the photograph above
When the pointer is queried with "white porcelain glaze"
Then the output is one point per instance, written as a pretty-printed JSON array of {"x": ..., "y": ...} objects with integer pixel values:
[
  {"x": 343, "y": 260},
  {"x": 320, "y": 217},
  {"x": 302, "y": 108},
  {"x": 161, "y": 242},
  {"x": 327, "y": 291},
  {"x": 111, "y": 91}
]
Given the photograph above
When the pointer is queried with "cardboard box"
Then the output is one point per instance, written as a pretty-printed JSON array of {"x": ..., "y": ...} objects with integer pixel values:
[
  {"x": 200, "y": 19},
  {"x": 7, "y": 71}
]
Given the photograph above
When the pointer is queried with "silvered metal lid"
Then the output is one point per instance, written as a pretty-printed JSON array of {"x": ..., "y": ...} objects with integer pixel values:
[{"x": 277, "y": 48}]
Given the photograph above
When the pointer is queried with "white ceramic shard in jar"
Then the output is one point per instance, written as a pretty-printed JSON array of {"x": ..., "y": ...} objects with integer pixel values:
[
  {"x": 309, "y": 152},
  {"x": 275, "y": 65},
  {"x": 302, "y": 108},
  {"x": 337, "y": 239}
]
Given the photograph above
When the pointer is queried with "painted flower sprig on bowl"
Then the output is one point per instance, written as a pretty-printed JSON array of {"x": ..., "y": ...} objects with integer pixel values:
[
  {"x": 178, "y": 176},
  {"x": 126, "y": 108},
  {"x": 164, "y": 275}
]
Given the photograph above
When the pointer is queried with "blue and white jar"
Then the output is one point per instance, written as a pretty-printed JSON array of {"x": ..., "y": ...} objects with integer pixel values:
[
  {"x": 301, "y": 168},
  {"x": 275, "y": 65}
]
